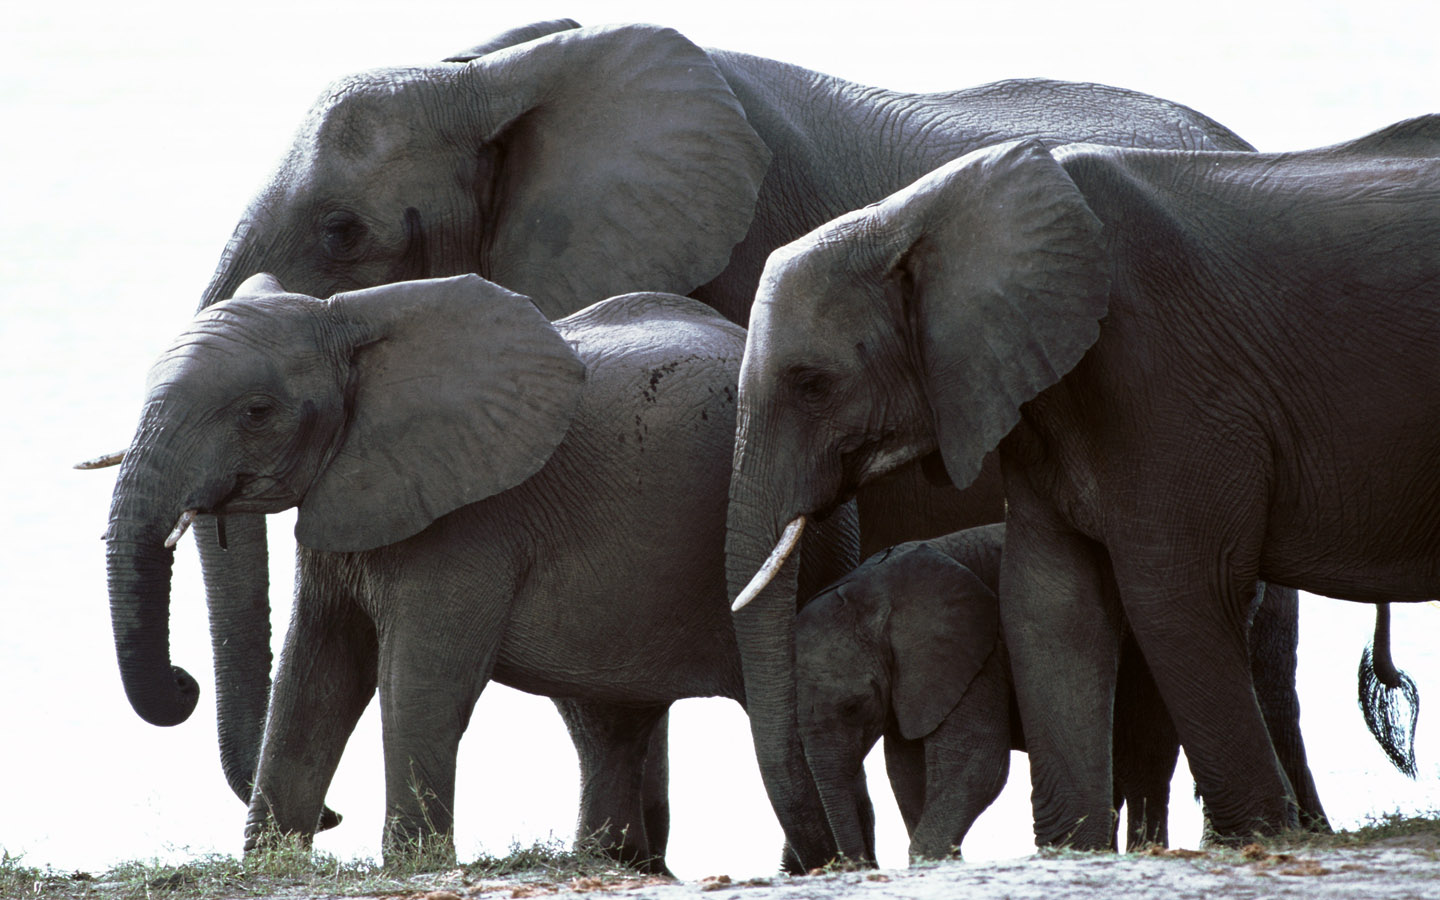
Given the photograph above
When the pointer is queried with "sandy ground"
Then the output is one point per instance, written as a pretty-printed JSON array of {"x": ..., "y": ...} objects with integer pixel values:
[{"x": 1405, "y": 868}]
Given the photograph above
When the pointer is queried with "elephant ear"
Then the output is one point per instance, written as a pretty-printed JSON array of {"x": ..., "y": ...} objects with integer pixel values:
[
  {"x": 624, "y": 162},
  {"x": 517, "y": 35},
  {"x": 944, "y": 624},
  {"x": 1005, "y": 281},
  {"x": 460, "y": 389}
]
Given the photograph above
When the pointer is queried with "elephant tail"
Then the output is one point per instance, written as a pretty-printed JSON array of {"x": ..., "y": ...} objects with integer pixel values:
[{"x": 1388, "y": 697}]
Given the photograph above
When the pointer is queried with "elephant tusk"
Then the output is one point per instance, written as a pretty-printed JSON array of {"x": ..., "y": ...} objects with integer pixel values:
[
  {"x": 102, "y": 462},
  {"x": 182, "y": 525},
  {"x": 788, "y": 539}
]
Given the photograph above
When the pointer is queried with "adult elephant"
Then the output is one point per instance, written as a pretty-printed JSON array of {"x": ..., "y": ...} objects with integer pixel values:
[
  {"x": 584, "y": 163},
  {"x": 482, "y": 494},
  {"x": 1201, "y": 369}
]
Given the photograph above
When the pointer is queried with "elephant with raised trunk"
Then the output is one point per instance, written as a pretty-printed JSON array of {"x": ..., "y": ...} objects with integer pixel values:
[
  {"x": 1201, "y": 370},
  {"x": 482, "y": 494},
  {"x": 573, "y": 163}
]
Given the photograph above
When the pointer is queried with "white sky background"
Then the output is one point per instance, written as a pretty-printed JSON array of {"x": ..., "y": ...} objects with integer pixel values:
[{"x": 134, "y": 133}]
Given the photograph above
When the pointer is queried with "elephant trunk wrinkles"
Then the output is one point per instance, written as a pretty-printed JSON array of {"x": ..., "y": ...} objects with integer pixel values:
[
  {"x": 138, "y": 569},
  {"x": 765, "y": 632},
  {"x": 237, "y": 591},
  {"x": 835, "y": 774},
  {"x": 237, "y": 579}
]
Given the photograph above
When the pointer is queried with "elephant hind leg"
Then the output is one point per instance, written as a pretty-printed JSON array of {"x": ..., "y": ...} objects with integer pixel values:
[
  {"x": 1274, "y": 637},
  {"x": 624, "y": 778}
]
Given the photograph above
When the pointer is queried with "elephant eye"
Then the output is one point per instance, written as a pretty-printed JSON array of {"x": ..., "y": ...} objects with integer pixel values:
[
  {"x": 811, "y": 385},
  {"x": 258, "y": 413},
  {"x": 343, "y": 233}
]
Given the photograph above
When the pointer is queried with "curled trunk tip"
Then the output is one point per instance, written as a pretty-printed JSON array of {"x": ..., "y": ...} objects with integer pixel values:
[{"x": 789, "y": 539}]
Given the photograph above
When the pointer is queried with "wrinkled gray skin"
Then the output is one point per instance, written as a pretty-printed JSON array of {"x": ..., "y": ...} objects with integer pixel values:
[
  {"x": 582, "y": 164},
  {"x": 1268, "y": 334},
  {"x": 908, "y": 647},
  {"x": 482, "y": 495}
]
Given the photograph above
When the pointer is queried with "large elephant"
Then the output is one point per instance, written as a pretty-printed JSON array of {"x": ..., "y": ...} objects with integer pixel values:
[
  {"x": 908, "y": 647},
  {"x": 1201, "y": 369},
  {"x": 481, "y": 494},
  {"x": 579, "y": 164}
]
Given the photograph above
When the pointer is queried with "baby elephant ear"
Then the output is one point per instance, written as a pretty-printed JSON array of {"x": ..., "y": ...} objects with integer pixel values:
[
  {"x": 1005, "y": 280},
  {"x": 460, "y": 390},
  {"x": 944, "y": 625}
]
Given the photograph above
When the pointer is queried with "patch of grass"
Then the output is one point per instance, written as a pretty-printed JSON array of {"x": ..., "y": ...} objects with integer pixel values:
[
  {"x": 551, "y": 860},
  {"x": 1393, "y": 828},
  {"x": 289, "y": 868}
]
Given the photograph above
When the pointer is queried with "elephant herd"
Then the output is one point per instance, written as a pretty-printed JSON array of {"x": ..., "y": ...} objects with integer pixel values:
[{"x": 610, "y": 316}]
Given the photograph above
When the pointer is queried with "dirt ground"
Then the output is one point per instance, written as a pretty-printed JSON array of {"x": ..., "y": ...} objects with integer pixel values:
[{"x": 1404, "y": 868}]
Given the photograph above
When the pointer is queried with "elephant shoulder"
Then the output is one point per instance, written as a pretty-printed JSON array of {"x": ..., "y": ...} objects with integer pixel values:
[
  {"x": 652, "y": 328},
  {"x": 1412, "y": 138}
]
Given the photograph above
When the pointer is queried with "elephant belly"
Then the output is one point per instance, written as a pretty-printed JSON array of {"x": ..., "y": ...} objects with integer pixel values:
[{"x": 618, "y": 659}]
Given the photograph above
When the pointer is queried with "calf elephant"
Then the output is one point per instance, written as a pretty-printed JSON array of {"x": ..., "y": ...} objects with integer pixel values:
[
  {"x": 908, "y": 646},
  {"x": 573, "y": 163},
  {"x": 481, "y": 494},
  {"x": 1201, "y": 369}
]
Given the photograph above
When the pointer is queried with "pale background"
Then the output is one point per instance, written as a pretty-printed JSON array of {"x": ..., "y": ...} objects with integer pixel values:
[{"x": 133, "y": 134}]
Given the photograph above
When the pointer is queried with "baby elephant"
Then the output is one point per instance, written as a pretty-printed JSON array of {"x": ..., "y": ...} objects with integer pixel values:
[{"x": 908, "y": 646}]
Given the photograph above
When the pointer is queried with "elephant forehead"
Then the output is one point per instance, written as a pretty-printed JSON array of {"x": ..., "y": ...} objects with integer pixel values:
[{"x": 238, "y": 347}]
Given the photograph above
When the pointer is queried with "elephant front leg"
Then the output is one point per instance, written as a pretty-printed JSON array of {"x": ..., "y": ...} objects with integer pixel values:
[
  {"x": 1061, "y": 625},
  {"x": 326, "y": 677},
  {"x": 624, "y": 783},
  {"x": 1190, "y": 617}
]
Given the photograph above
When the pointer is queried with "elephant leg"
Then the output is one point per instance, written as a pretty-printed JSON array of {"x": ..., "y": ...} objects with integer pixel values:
[
  {"x": 1146, "y": 750},
  {"x": 326, "y": 677},
  {"x": 1062, "y": 629},
  {"x": 967, "y": 762},
  {"x": 905, "y": 766},
  {"x": 1190, "y": 618},
  {"x": 620, "y": 795},
  {"x": 1274, "y": 637},
  {"x": 430, "y": 680}
]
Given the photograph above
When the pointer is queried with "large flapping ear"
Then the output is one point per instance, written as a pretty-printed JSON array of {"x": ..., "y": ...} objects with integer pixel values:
[
  {"x": 517, "y": 35},
  {"x": 1417, "y": 138},
  {"x": 1005, "y": 282},
  {"x": 624, "y": 163},
  {"x": 461, "y": 390},
  {"x": 944, "y": 625}
]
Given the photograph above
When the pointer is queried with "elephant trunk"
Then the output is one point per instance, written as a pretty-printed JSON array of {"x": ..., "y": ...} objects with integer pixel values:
[
  {"x": 234, "y": 561},
  {"x": 837, "y": 772},
  {"x": 765, "y": 633},
  {"x": 235, "y": 564},
  {"x": 138, "y": 567}
]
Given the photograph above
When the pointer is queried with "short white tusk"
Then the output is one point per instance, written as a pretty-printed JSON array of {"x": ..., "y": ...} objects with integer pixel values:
[
  {"x": 788, "y": 539},
  {"x": 102, "y": 462},
  {"x": 182, "y": 525}
]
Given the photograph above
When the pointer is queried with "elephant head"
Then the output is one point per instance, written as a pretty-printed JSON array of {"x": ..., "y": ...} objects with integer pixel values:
[
  {"x": 918, "y": 324},
  {"x": 374, "y": 412},
  {"x": 894, "y": 644},
  {"x": 582, "y": 163}
]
